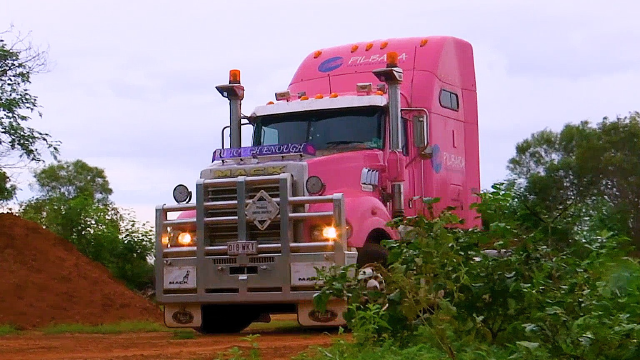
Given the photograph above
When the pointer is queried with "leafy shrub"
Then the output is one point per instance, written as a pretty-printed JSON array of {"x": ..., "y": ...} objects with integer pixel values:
[{"x": 524, "y": 296}]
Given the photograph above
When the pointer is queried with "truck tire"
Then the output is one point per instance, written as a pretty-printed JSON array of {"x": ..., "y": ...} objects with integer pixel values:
[
  {"x": 226, "y": 319},
  {"x": 372, "y": 252}
]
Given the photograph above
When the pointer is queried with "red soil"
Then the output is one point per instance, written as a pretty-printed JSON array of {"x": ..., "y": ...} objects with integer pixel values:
[{"x": 44, "y": 280}]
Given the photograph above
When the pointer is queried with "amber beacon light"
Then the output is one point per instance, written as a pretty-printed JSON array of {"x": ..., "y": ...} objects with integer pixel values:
[
  {"x": 234, "y": 76},
  {"x": 392, "y": 59}
]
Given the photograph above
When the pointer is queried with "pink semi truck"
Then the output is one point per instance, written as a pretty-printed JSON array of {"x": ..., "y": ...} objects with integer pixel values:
[{"x": 362, "y": 135}]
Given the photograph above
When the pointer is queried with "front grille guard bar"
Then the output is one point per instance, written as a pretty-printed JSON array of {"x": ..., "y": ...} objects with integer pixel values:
[{"x": 286, "y": 246}]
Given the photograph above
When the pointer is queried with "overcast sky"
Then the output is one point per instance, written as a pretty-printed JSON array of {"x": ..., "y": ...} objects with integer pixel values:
[{"x": 132, "y": 83}]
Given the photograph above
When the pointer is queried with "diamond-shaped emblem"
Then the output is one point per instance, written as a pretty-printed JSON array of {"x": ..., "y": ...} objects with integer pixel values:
[{"x": 261, "y": 210}]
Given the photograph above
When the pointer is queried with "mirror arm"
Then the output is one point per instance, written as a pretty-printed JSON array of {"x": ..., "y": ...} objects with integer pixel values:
[
  {"x": 426, "y": 149},
  {"x": 229, "y": 126}
]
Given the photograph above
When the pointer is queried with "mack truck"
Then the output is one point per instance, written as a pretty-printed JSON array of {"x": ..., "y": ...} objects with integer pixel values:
[{"x": 363, "y": 134}]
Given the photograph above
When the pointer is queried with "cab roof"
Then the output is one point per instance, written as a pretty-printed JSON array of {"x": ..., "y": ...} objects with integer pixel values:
[
  {"x": 336, "y": 69},
  {"x": 348, "y": 101}
]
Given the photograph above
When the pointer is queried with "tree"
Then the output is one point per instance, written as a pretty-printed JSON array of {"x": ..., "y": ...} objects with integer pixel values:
[
  {"x": 7, "y": 190},
  {"x": 133, "y": 253},
  {"x": 583, "y": 174},
  {"x": 19, "y": 61},
  {"x": 73, "y": 179},
  {"x": 73, "y": 202}
]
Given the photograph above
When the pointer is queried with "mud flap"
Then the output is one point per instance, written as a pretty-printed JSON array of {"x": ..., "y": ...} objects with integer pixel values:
[
  {"x": 309, "y": 316},
  {"x": 182, "y": 315}
]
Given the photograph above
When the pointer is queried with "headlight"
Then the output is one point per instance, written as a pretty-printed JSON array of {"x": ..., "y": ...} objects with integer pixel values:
[
  {"x": 330, "y": 232},
  {"x": 181, "y": 194},
  {"x": 314, "y": 185},
  {"x": 184, "y": 239},
  {"x": 178, "y": 238},
  {"x": 327, "y": 233}
]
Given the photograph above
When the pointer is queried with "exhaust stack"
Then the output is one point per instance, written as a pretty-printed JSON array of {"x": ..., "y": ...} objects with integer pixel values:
[
  {"x": 234, "y": 91},
  {"x": 392, "y": 75}
]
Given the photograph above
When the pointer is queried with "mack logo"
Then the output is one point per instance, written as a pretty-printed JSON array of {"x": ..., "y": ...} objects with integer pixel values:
[
  {"x": 323, "y": 317},
  {"x": 307, "y": 278},
  {"x": 185, "y": 279},
  {"x": 256, "y": 171}
]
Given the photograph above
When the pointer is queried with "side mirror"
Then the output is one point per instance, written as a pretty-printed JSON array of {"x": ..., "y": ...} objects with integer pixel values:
[
  {"x": 228, "y": 127},
  {"x": 421, "y": 131}
]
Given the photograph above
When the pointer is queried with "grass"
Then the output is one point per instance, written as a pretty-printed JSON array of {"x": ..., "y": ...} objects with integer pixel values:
[
  {"x": 8, "y": 330},
  {"x": 184, "y": 334},
  {"x": 145, "y": 326},
  {"x": 129, "y": 327},
  {"x": 116, "y": 328}
]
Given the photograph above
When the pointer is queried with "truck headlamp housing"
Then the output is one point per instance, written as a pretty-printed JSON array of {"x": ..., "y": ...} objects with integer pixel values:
[
  {"x": 178, "y": 238},
  {"x": 321, "y": 233},
  {"x": 330, "y": 233},
  {"x": 185, "y": 239},
  {"x": 181, "y": 194}
]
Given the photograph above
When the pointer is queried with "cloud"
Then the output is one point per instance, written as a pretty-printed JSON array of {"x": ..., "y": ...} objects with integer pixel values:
[{"x": 133, "y": 87}]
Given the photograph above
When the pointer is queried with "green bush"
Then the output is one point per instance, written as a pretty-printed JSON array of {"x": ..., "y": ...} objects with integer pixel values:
[
  {"x": 530, "y": 299},
  {"x": 73, "y": 202}
]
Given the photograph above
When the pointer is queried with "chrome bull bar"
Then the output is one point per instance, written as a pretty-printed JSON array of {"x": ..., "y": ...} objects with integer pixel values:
[{"x": 203, "y": 256}]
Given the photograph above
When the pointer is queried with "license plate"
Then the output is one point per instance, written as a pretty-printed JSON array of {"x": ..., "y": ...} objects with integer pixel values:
[{"x": 242, "y": 247}]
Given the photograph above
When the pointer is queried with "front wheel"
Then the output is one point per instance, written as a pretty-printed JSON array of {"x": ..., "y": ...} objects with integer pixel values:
[
  {"x": 371, "y": 253},
  {"x": 226, "y": 319}
]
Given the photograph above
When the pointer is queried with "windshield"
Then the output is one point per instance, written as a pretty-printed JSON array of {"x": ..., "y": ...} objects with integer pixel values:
[{"x": 360, "y": 128}]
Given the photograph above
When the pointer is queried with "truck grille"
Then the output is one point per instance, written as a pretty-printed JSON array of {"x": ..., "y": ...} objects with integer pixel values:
[
  {"x": 262, "y": 260},
  {"x": 223, "y": 233}
]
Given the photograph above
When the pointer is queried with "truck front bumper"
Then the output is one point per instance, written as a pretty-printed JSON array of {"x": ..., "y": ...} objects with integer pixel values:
[{"x": 278, "y": 273}]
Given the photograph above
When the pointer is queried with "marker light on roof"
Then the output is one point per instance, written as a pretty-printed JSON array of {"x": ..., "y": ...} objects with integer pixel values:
[
  {"x": 317, "y": 54},
  {"x": 319, "y": 96},
  {"x": 270, "y": 103},
  {"x": 283, "y": 95},
  {"x": 304, "y": 98},
  {"x": 392, "y": 59},
  {"x": 379, "y": 92},
  {"x": 424, "y": 42},
  {"x": 364, "y": 88},
  {"x": 333, "y": 95},
  {"x": 234, "y": 76},
  {"x": 384, "y": 45},
  {"x": 354, "y": 48},
  {"x": 369, "y": 46}
]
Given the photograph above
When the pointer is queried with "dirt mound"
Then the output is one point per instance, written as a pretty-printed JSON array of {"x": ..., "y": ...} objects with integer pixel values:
[{"x": 44, "y": 280}]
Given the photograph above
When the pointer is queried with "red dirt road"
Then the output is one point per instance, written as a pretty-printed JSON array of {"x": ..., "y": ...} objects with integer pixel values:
[
  {"x": 46, "y": 280},
  {"x": 272, "y": 345}
]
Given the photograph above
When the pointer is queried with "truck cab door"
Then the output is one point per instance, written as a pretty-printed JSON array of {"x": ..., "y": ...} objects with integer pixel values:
[
  {"x": 414, "y": 189},
  {"x": 420, "y": 136}
]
